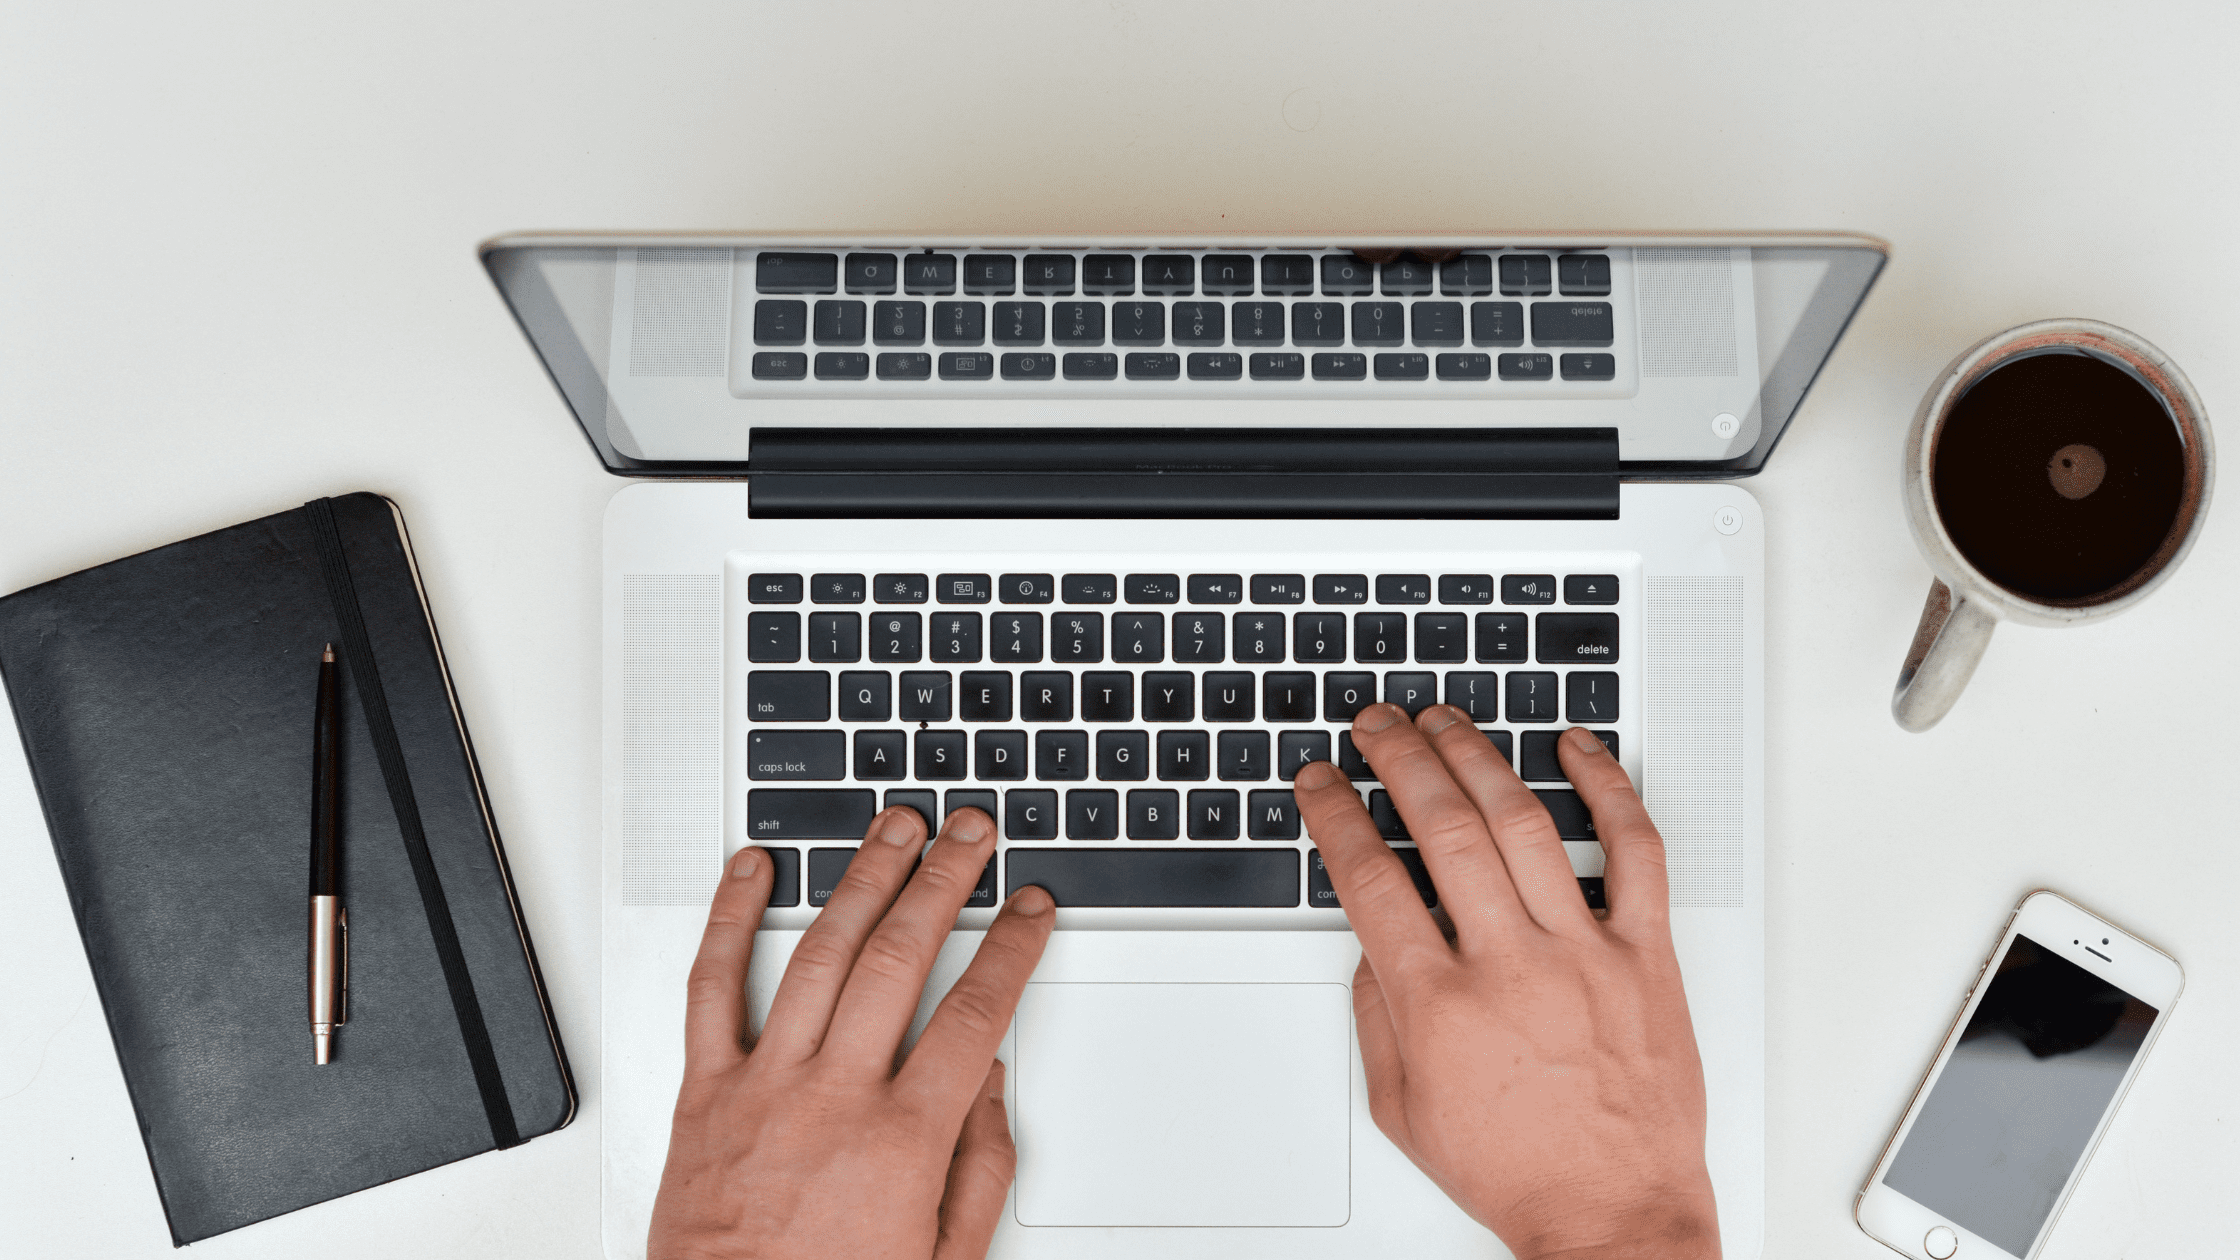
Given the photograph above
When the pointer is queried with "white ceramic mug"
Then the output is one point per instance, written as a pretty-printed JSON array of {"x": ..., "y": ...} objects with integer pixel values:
[{"x": 1964, "y": 604}]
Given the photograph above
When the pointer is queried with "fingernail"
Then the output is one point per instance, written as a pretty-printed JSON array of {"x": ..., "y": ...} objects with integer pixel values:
[
  {"x": 1436, "y": 719},
  {"x": 995, "y": 1082},
  {"x": 967, "y": 826},
  {"x": 1377, "y": 717},
  {"x": 899, "y": 827},
  {"x": 1583, "y": 739},
  {"x": 1315, "y": 774},
  {"x": 1031, "y": 901},
  {"x": 744, "y": 864}
]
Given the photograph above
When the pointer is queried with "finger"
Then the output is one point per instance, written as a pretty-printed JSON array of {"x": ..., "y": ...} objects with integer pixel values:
[
  {"x": 979, "y": 1175},
  {"x": 1380, "y": 1054},
  {"x": 1526, "y": 837},
  {"x": 883, "y": 989},
  {"x": 715, "y": 991},
  {"x": 1467, "y": 869},
  {"x": 826, "y": 953},
  {"x": 1633, "y": 869},
  {"x": 961, "y": 1038},
  {"x": 1379, "y": 898},
  {"x": 1377, "y": 255}
]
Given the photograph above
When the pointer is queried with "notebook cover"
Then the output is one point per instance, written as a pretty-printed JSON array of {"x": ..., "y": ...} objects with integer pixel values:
[{"x": 165, "y": 704}]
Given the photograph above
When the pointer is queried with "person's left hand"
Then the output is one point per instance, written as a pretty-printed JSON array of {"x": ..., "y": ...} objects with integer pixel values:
[{"x": 821, "y": 1138}]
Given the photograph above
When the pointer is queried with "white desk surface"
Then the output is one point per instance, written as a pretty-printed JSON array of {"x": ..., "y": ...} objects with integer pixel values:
[{"x": 239, "y": 272}]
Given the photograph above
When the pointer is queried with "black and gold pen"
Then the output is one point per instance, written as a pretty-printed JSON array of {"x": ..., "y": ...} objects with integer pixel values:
[{"x": 330, "y": 927}]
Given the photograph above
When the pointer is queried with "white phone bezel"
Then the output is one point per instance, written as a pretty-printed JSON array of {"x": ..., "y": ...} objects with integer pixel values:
[{"x": 2064, "y": 928}]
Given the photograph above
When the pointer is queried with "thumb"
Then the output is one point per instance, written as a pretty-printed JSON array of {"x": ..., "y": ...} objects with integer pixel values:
[{"x": 979, "y": 1176}]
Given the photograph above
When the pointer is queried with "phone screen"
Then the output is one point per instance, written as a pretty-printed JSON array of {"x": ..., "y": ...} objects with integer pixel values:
[{"x": 2016, "y": 1104}]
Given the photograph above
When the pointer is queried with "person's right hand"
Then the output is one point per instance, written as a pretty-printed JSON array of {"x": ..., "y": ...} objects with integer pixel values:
[{"x": 1540, "y": 1066}]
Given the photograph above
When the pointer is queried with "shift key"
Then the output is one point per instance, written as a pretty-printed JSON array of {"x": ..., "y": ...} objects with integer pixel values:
[
  {"x": 810, "y": 813},
  {"x": 797, "y": 755}
]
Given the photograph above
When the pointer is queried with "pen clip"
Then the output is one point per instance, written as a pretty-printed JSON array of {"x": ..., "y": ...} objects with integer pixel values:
[{"x": 342, "y": 945}]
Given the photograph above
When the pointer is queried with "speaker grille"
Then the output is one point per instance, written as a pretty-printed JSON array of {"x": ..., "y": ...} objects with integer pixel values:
[
  {"x": 672, "y": 739},
  {"x": 1687, "y": 311},
  {"x": 680, "y": 312},
  {"x": 1693, "y": 777}
]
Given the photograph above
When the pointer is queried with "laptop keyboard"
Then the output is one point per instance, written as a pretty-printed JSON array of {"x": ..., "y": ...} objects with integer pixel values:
[
  {"x": 1134, "y": 734},
  {"x": 933, "y": 321}
]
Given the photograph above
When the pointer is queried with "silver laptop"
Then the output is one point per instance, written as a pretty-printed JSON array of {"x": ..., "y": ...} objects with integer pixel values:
[{"x": 1107, "y": 536}]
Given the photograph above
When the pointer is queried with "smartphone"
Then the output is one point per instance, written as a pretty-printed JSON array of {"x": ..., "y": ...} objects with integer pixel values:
[{"x": 2061, "y": 1016}]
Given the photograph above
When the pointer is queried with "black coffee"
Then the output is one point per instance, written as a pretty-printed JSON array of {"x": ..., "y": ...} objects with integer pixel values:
[{"x": 2058, "y": 476}]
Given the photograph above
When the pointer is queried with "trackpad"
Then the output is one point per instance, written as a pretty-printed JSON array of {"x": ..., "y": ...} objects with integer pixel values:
[{"x": 1183, "y": 1104}]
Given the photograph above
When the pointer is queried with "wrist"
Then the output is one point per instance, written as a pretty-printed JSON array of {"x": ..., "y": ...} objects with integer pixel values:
[{"x": 1682, "y": 1230}]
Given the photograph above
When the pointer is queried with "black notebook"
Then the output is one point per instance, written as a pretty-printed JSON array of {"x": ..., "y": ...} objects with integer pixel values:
[{"x": 165, "y": 702}]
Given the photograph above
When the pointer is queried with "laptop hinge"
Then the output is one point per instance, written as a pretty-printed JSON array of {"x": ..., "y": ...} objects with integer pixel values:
[{"x": 1469, "y": 474}]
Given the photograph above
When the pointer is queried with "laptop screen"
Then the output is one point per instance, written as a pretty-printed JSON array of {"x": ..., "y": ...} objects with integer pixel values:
[{"x": 1695, "y": 350}]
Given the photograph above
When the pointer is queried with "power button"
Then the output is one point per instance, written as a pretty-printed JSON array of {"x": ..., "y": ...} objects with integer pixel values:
[
  {"x": 1940, "y": 1243},
  {"x": 1727, "y": 519}
]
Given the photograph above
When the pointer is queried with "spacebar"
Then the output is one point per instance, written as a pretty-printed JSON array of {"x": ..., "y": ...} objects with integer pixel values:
[{"x": 1157, "y": 877}]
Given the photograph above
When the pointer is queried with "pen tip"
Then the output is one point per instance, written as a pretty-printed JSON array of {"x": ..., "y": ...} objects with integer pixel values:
[{"x": 327, "y": 657}]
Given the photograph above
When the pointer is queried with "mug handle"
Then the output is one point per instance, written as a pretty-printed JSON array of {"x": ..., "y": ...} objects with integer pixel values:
[{"x": 1953, "y": 632}]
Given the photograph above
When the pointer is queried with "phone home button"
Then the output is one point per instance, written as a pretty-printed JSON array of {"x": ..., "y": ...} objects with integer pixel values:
[{"x": 1940, "y": 1243}]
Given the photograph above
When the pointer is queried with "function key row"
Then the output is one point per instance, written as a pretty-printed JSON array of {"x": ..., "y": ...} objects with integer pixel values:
[
  {"x": 1182, "y": 274},
  {"x": 976, "y": 365},
  {"x": 1174, "y": 588}
]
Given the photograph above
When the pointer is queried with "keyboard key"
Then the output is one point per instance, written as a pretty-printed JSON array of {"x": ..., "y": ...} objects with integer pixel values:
[
  {"x": 1092, "y": 367},
  {"x": 1113, "y": 275},
  {"x": 838, "y": 323},
  {"x": 1571, "y": 324},
  {"x": 1536, "y": 756},
  {"x": 1590, "y": 696},
  {"x": 1436, "y": 323},
  {"x": 789, "y": 695},
  {"x": 1123, "y": 755},
  {"x": 953, "y": 637},
  {"x": 1048, "y": 274},
  {"x": 1029, "y": 367},
  {"x": 1583, "y": 275},
  {"x": 984, "y": 696},
  {"x": 966, "y": 366},
  {"x": 1497, "y": 323},
  {"x": 1045, "y": 696},
  {"x": 1468, "y": 276},
  {"x": 1341, "y": 367},
  {"x": 1228, "y": 275},
  {"x": 843, "y": 365},
  {"x": 1170, "y": 273},
  {"x": 894, "y": 637},
  {"x": 1380, "y": 637},
  {"x": 1216, "y": 588},
  {"x": 796, "y": 273},
  {"x": 773, "y": 588},
  {"x": 1476, "y": 694},
  {"x": 1406, "y": 277},
  {"x": 1318, "y": 638},
  {"x": 1025, "y": 588},
  {"x": 1379, "y": 323},
  {"x": 1271, "y": 814},
  {"x": 1532, "y": 697},
  {"x": 1500, "y": 742},
  {"x": 1090, "y": 588},
  {"x": 1464, "y": 367},
  {"x": 780, "y": 365},
  {"x": 1259, "y": 323},
  {"x": 1344, "y": 275},
  {"x": 1228, "y": 696},
  {"x": 1321, "y": 894},
  {"x": 1198, "y": 638},
  {"x": 1412, "y": 692},
  {"x": 1341, "y": 588},
  {"x": 1403, "y": 588},
  {"x": 797, "y": 754},
  {"x": 1386, "y": 816},
  {"x": 1153, "y": 588},
  {"x": 982, "y": 799},
  {"x": 1350, "y": 761},
  {"x": 1524, "y": 274},
  {"x": 1526, "y": 367},
  {"x": 1590, "y": 588},
  {"x": 1154, "y": 367},
  {"x": 871, "y": 273},
  {"x": 1287, "y": 275},
  {"x": 1589, "y": 367},
  {"x": 1403, "y": 367},
  {"x": 905, "y": 367},
  {"x": 1501, "y": 638},
  {"x": 898, "y": 324},
  {"x": 962, "y": 588},
  {"x": 1015, "y": 638},
  {"x": 879, "y": 755},
  {"x": 774, "y": 637},
  {"x": 1216, "y": 367},
  {"x": 836, "y": 637},
  {"x": 1258, "y": 639},
  {"x": 998, "y": 756},
  {"x": 939, "y": 755},
  {"x": 867, "y": 696},
  {"x": 1030, "y": 814},
  {"x": 1568, "y": 638},
  {"x": 1528, "y": 588},
  {"x": 1279, "y": 367},
  {"x": 1061, "y": 756},
  {"x": 1108, "y": 697},
  {"x": 1287, "y": 697},
  {"x": 1169, "y": 697},
  {"x": 994, "y": 274},
  {"x": 1215, "y": 814},
  {"x": 1345, "y": 695},
  {"x": 1077, "y": 324},
  {"x": 925, "y": 695},
  {"x": 1318, "y": 323},
  {"x": 1298, "y": 748},
  {"x": 1442, "y": 638},
  {"x": 1153, "y": 814},
  {"x": 960, "y": 323},
  {"x": 1138, "y": 638},
  {"x": 898, "y": 588},
  {"x": 1199, "y": 324},
  {"x": 826, "y": 866},
  {"x": 810, "y": 813},
  {"x": 929, "y": 273},
  {"x": 1139, "y": 323},
  {"x": 1019, "y": 324},
  {"x": 785, "y": 877},
  {"x": 1077, "y": 638},
  {"x": 1573, "y": 821},
  {"x": 1466, "y": 588},
  {"x": 1279, "y": 588},
  {"x": 1093, "y": 814}
]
